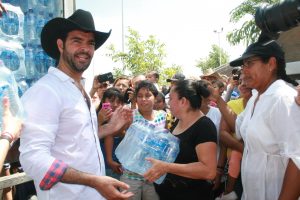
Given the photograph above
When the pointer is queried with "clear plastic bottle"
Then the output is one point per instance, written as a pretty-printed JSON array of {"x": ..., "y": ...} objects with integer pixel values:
[
  {"x": 40, "y": 23},
  {"x": 40, "y": 60},
  {"x": 22, "y": 86},
  {"x": 9, "y": 88},
  {"x": 29, "y": 62},
  {"x": 29, "y": 26}
]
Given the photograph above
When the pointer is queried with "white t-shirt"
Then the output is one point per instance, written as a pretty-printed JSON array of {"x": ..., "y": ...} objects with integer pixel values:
[{"x": 215, "y": 115}]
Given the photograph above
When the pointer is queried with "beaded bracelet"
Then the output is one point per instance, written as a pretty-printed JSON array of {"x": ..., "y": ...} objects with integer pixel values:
[{"x": 7, "y": 136}]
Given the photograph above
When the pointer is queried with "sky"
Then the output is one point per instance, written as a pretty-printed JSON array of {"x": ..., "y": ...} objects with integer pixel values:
[{"x": 186, "y": 27}]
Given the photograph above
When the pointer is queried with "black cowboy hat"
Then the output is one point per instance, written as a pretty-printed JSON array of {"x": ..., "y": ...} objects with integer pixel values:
[{"x": 57, "y": 27}]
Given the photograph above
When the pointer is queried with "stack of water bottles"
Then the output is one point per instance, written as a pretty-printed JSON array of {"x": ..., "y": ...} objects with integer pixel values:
[
  {"x": 9, "y": 88},
  {"x": 142, "y": 140},
  {"x": 20, "y": 29},
  {"x": 37, "y": 14}
]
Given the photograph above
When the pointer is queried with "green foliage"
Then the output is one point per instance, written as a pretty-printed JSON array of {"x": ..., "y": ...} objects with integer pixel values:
[
  {"x": 142, "y": 56},
  {"x": 213, "y": 60},
  {"x": 248, "y": 32}
]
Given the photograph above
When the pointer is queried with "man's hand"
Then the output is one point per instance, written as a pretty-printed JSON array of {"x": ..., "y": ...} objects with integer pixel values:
[
  {"x": 121, "y": 117},
  {"x": 10, "y": 123},
  {"x": 110, "y": 188}
]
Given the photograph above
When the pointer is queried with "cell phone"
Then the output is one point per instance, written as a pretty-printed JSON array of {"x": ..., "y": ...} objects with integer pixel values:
[
  {"x": 106, "y": 106},
  {"x": 126, "y": 95},
  {"x": 105, "y": 77}
]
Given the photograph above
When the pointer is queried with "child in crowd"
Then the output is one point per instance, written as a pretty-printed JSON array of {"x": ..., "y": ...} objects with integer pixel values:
[
  {"x": 145, "y": 94},
  {"x": 112, "y": 98},
  {"x": 160, "y": 102}
]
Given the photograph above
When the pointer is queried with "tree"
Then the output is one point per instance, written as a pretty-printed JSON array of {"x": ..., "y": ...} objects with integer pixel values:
[
  {"x": 248, "y": 32},
  {"x": 213, "y": 60},
  {"x": 142, "y": 56}
]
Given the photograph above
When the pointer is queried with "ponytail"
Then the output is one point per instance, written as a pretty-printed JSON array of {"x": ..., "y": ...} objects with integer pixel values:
[{"x": 281, "y": 72}]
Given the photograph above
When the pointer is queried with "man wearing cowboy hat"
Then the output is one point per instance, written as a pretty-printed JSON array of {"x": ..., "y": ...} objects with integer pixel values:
[{"x": 60, "y": 147}]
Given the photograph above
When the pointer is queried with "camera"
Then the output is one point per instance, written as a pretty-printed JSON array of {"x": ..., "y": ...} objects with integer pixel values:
[
  {"x": 236, "y": 72},
  {"x": 106, "y": 77},
  {"x": 235, "y": 77},
  {"x": 126, "y": 95},
  {"x": 278, "y": 17}
]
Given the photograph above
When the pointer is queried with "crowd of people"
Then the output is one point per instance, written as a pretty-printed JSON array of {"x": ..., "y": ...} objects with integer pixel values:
[{"x": 238, "y": 135}]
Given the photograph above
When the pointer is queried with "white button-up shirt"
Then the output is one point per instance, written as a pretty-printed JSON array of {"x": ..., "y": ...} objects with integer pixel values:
[
  {"x": 272, "y": 137},
  {"x": 59, "y": 125}
]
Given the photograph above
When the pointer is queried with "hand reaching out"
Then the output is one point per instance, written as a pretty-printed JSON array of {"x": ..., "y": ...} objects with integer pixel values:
[
  {"x": 10, "y": 123},
  {"x": 121, "y": 117}
]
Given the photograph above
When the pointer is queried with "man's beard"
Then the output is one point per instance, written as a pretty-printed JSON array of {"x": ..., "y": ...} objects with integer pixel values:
[{"x": 78, "y": 67}]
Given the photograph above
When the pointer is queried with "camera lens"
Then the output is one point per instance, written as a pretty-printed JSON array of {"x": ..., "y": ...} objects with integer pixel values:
[{"x": 278, "y": 17}]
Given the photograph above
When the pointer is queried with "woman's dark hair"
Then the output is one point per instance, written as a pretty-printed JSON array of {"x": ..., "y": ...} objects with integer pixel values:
[
  {"x": 160, "y": 94},
  {"x": 111, "y": 93},
  {"x": 281, "y": 73},
  {"x": 193, "y": 91},
  {"x": 146, "y": 84}
]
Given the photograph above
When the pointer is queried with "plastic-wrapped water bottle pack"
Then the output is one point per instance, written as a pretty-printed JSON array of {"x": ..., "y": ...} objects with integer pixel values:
[
  {"x": 143, "y": 140},
  {"x": 20, "y": 29}
]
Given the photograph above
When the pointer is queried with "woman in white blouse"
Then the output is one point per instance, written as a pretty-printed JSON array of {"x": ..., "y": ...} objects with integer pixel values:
[{"x": 269, "y": 126}]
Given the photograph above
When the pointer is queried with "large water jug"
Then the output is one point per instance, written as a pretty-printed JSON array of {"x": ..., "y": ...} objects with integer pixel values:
[
  {"x": 9, "y": 88},
  {"x": 141, "y": 141}
]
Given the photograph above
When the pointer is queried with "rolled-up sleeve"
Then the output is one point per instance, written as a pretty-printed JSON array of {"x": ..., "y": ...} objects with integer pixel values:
[
  {"x": 286, "y": 126},
  {"x": 54, "y": 174},
  {"x": 42, "y": 110}
]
